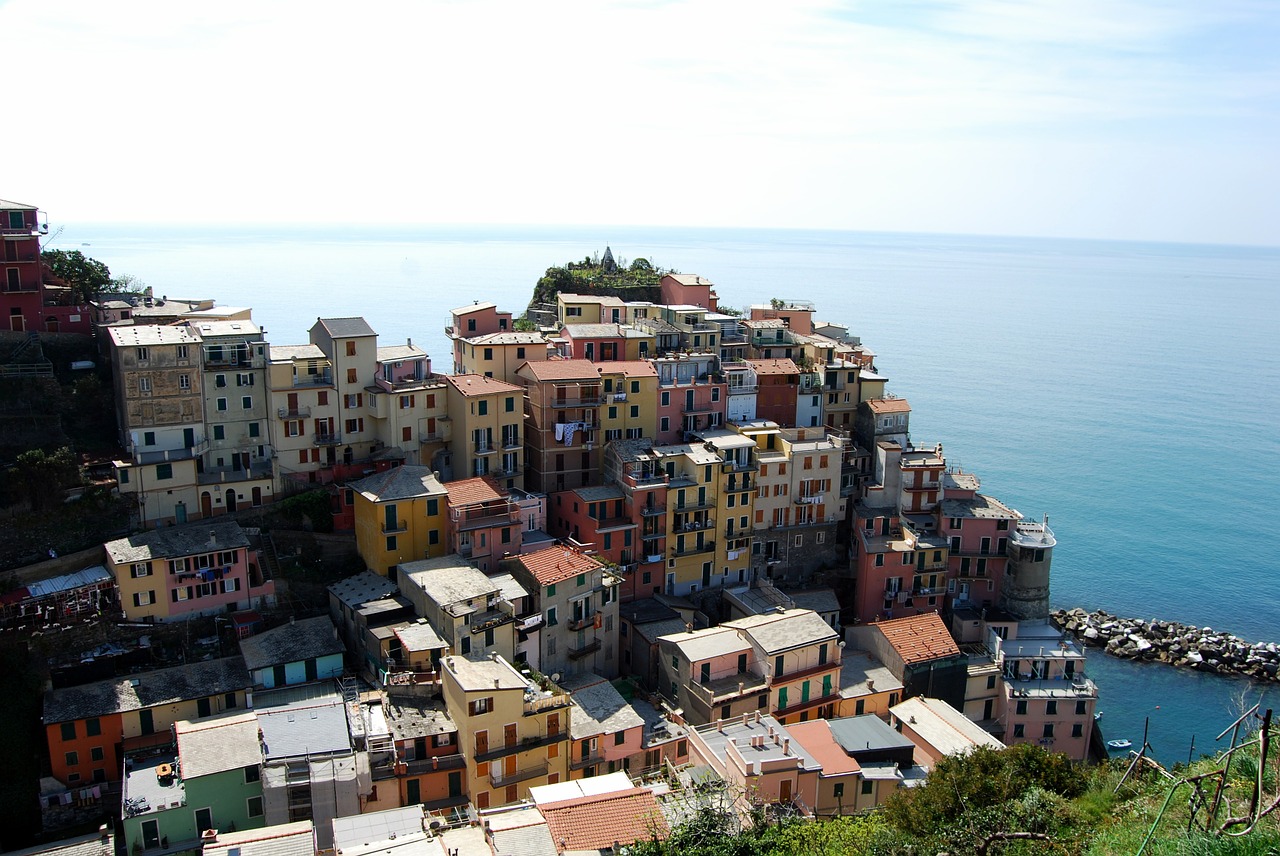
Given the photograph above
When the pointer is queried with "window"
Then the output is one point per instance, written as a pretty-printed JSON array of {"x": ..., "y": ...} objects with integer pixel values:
[
  {"x": 1019, "y": 731},
  {"x": 1081, "y": 708},
  {"x": 666, "y": 399},
  {"x": 92, "y": 728},
  {"x": 488, "y": 353},
  {"x": 352, "y": 377},
  {"x": 144, "y": 598},
  {"x": 253, "y": 805},
  {"x": 184, "y": 381},
  {"x": 1050, "y": 708},
  {"x": 868, "y": 786},
  {"x": 879, "y": 560},
  {"x": 219, "y": 432},
  {"x": 144, "y": 384},
  {"x": 1077, "y": 730},
  {"x": 164, "y": 471},
  {"x": 68, "y": 731},
  {"x": 97, "y": 753},
  {"x": 142, "y": 354},
  {"x": 552, "y": 621},
  {"x": 1048, "y": 730},
  {"x": 351, "y": 349},
  {"x": 254, "y": 430},
  {"x": 355, "y": 426},
  {"x": 140, "y": 569},
  {"x": 73, "y": 758},
  {"x": 221, "y": 404},
  {"x": 1021, "y": 708},
  {"x": 391, "y": 543},
  {"x": 519, "y": 353}
]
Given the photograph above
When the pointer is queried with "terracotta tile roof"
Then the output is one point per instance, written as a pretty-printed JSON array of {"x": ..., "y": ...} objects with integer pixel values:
[
  {"x": 774, "y": 367},
  {"x": 474, "y": 384},
  {"x": 889, "y": 405},
  {"x": 630, "y": 368},
  {"x": 918, "y": 638},
  {"x": 816, "y": 739},
  {"x": 557, "y": 563},
  {"x": 561, "y": 370},
  {"x": 596, "y": 822},
  {"x": 471, "y": 491}
]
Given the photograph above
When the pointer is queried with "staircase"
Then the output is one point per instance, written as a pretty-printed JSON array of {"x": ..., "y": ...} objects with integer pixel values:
[{"x": 270, "y": 561}]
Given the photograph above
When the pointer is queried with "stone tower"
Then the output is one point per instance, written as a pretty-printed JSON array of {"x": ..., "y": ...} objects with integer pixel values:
[{"x": 1025, "y": 593}]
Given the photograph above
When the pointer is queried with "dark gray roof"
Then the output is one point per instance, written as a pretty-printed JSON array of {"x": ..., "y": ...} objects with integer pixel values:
[
  {"x": 344, "y": 328},
  {"x": 164, "y": 686},
  {"x": 174, "y": 541},
  {"x": 404, "y": 482},
  {"x": 291, "y": 643},
  {"x": 646, "y": 610},
  {"x": 362, "y": 588},
  {"x": 866, "y": 733}
]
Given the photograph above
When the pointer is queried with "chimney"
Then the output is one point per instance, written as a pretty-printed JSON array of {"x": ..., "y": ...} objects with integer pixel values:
[
  {"x": 786, "y": 746},
  {"x": 213, "y": 538},
  {"x": 408, "y": 342},
  {"x": 209, "y": 836},
  {"x": 104, "y": 833}
]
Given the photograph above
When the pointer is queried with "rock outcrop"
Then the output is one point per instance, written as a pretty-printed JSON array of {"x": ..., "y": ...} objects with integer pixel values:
[{"x": 1199, "y": 648}]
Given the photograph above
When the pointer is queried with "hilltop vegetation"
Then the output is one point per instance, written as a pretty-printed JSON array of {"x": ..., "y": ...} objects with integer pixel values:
[
  {"x": 1021, "y": 800},
  {"x": 596, "y": 274}
]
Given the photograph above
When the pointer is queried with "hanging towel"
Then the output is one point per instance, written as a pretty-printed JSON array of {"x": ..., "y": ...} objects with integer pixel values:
[{"x": 560, "y": 430}]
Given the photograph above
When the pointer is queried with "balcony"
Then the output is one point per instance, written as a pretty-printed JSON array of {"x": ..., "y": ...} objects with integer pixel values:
[
  {"x": 502, "y": 513},
  {"x": 489, "y": 620},
  {"x": 294, "y": 413},
  {"x": 583, "y": 622},
  {"x": 701, "y": 505},
  {"x": 921, "y": 488},
  {"x": 222, "y": 475},
  {"x": 551, "y": 701},
  {"x": 326, "y": 438},
  {"x": 143, "y": 458},
  {"x": 652, "y": 536},
  {"x": 693, "y": 526},
  {"x": 394, "y": 527},
  {"x": 436, "y": 436},
  {"x": 501, "y": 778},
  {"x": 589, "y": 648},
  {"x": 653, "y": 510},
  {"x": 317, "y": 379},
  {"x": 418, "y": 766},
  {"x": 595, "y": 757},
  {"x": 730, "y": 686},
  {"x": 483, "y": 448},
  {"x": 813, "y": 499},
  {"x": 708, "y": 547},
  {"x": 511, "y": 441},
  {"x": 576, "y": 401},
  {"x": 644, "y": 479},
  {"x": 928, "y": 591},
  {"x": 608, "y": 524}
]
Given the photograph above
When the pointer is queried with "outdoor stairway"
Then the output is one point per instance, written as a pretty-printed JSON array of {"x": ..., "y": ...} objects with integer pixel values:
[{"x": 270, "y": 561}]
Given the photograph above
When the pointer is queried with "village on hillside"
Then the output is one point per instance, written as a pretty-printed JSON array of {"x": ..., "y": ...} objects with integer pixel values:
[{"x": 621, "y": 561}]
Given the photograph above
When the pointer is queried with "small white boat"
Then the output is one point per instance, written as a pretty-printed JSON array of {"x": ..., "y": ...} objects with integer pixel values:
[
  {"x": 1119, "y": 744},
  {"x": 1097, "y": 716}
]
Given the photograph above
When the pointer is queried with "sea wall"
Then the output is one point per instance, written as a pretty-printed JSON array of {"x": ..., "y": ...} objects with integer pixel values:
[{"x": 1200, "y": 648}]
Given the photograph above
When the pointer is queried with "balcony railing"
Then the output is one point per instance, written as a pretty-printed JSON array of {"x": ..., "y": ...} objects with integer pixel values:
[
  {"x": 318, "y": 379},
  {"x": 589, "y": 648},
  {"x": 394, "y": 527},
  {"x": 595, "y": 757},
  {"x": 927, "y": 591},
  {"x": 708, "y": 547},
  {"x": 732, "y": 685},
  {"x": 695, "y": 506},
  {"x": 813, "y": 499},
  {"x": 327, "y": 438},
  {"x": 418, "y": 766},
  {"x": 583, "y": 622},
  {"x": 693, "y": 526},
  {"x": 643, "y": 479},
  {"x": 650, "y": 536},
  {"x": 653, "y": 510},
  {"x": 554, "y": 701},
  {"x": 490, "y": 519},
  {"x": 501, "y": 778},
  {"x": 294, "y": 412},
  {"x": 511, "y": 441},
  {"x": 577, "y": 401},
  {"x": 483, "y": 448}
]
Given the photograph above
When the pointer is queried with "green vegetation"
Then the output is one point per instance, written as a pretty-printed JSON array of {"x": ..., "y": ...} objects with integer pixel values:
[
  {"x": 314, "y": 507},
  {"x": 1020, "y": 800},
  {"x": 601, "y": 275},
  {"x": 87, "y": 276}
]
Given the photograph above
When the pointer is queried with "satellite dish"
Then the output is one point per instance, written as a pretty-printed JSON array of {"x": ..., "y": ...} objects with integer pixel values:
[{"x": 556, "y": 677}]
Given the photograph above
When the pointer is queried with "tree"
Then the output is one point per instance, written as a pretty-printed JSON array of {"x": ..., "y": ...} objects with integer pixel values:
[
  {"x": 41, "y": 477},
  {"x": 87, "y": 277}
]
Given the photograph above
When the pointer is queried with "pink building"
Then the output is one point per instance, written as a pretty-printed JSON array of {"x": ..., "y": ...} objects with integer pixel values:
[
  {"x": 598, "y": 520},
  {"x": 757, "y": 756},
  {"x": 688, "y": 290},
  {"x": 606, "y": 733},
  {"x": 977, "y": 529},
  {"x": 34, "y": 300},
  {"x": 484, "y": 522},
  {"x": 478, "y": 319},
  {"x": 598, "y": 343},
  {"x": 778, "y": 389},
  {"x": 1046, "y": 698},
  {"x": 692, "y": 396}
]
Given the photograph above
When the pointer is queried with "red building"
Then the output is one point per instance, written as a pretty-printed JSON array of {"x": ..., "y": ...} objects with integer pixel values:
[
  {"x": 33, "y": 302},
  {"x": 778, "y": 383}
]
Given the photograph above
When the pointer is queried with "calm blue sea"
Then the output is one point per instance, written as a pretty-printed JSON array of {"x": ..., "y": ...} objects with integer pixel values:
[{"x": 1128, "y": 390}]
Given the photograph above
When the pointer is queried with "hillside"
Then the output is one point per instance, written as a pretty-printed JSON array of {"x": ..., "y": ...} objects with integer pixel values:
[{"x": 600, "y": 275}]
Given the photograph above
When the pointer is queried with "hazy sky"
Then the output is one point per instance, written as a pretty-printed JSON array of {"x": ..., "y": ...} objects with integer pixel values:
[{"x": 1091, "y": 118}]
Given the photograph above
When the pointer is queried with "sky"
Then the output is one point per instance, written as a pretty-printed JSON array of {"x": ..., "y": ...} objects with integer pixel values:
[{"x": 1122, "y": 119}]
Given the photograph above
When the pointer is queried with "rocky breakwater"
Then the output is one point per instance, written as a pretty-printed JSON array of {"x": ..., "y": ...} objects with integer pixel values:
[{"x": 1200, "y": 648}]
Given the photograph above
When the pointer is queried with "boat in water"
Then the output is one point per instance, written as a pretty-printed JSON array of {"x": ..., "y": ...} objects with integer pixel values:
[{"x": 1119, "y": 744}]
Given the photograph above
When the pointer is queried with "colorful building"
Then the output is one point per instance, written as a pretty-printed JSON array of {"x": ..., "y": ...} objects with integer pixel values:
[
  {"x": 564, "y": 438},
  {"x": 486, "y": 419},
  {"x": 400, "y": 515}
]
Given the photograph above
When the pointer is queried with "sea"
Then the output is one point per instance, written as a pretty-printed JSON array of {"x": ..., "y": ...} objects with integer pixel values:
[{"x": 1129, "y": 391}]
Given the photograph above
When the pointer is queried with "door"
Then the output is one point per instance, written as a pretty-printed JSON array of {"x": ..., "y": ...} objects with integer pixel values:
[
  {"x": 180, "y": 513},
  {"x": 455, "y": 784},
  {"x": 150, "y": 834},
  {"x": 257, "y": 497},
  {"x": 509, "y": 735},
  {"x": 206, "y": 505},
  {"x": 988, "y": 708},
  {"x": 509, "y": 766},
  {"x": 313, "y": 673},
  {"x": 553, "y": 724},
  {"x": 146, "y": 724},
  {"x": 784, "y": 791},
  {"x": 482, "y": 742},
  {"x": 705, "y": 677},
  {"x": 412, "y": 792},
  {"x": 231, "y": 500},
  {"x": 204, "y": 819},
  {"x": 188, "y": 438},
  {"x": 279, "y": 677},
  {"x": 804, "y": 692}
]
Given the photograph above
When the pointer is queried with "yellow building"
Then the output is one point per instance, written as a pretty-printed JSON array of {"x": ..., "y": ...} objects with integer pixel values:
[
  {"x": 399, "y": 517},
  {"x": 512, "y": 732},
  {"x": 303, "y": 413},
  {"x": 498, "y": 355},
  {"x": 406, "y": 405},
  {"x": 630, "y": 409},
  {"x": 486, "y": 416}
]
